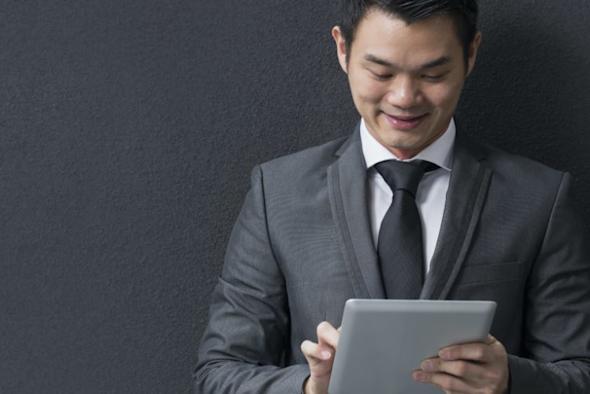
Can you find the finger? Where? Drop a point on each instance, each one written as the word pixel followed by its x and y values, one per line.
pixel 465 370
pixel 475 351
pixel 447 383
pixel 430 364
pixel 319 360
pixel 314 352
pixel 328 335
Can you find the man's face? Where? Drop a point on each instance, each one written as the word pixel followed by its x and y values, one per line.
pixel 405 79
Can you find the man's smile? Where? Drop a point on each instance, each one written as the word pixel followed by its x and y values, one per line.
pixel 404 122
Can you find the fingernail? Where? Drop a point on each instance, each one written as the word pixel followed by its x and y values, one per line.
pixel 326 355
pixel 427 366
pixel 445 354
pixel 419 376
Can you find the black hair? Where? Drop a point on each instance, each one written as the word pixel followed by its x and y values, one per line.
pixel 463 13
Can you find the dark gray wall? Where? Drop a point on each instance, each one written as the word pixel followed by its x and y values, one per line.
pixel 127 133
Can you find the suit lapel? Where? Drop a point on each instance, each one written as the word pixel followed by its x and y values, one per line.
pixel 468 186
pixel 347 186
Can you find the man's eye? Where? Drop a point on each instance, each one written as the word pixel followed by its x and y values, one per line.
pixel 433 77
pixel 381 77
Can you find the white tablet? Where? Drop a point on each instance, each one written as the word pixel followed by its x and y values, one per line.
pixel 383 341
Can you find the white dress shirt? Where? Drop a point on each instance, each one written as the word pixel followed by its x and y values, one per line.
pixel 432 190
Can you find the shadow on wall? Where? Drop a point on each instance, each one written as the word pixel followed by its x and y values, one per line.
pixel 532 81
pixel 529 94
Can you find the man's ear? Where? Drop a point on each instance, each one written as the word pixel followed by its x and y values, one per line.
pixel 472 55
pixel 340 47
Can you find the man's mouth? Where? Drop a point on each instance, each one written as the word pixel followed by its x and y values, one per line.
pixel 404 122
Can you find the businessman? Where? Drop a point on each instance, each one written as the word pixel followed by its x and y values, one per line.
pixel 407 206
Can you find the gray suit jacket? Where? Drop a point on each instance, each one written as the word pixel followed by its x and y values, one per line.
pixel 302 246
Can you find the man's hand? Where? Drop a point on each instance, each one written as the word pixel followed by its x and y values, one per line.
pixel 320 357
pixel 468 368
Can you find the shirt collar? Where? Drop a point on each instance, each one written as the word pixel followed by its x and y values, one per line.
pixel 440 152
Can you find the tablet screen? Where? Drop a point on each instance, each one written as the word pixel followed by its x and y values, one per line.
pixel 383 341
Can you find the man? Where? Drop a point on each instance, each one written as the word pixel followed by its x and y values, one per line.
pixel 313 231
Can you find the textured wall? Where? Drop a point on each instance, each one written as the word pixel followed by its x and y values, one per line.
pixel 127 133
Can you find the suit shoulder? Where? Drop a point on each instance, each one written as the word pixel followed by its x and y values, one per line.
pixel 305 162
pixel 520 169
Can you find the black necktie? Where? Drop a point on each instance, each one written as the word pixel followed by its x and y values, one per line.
pixel 400 249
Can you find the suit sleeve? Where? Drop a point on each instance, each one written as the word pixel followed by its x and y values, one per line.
pixel 556 347
pixel 245 343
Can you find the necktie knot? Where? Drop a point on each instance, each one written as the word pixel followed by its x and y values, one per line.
pixel 403 175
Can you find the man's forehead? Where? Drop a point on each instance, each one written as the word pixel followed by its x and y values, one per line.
pixel 383 35
pixel 381 24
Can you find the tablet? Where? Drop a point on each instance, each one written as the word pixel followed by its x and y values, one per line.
pixel 383 341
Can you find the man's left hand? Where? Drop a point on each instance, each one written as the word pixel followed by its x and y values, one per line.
pixel 468 368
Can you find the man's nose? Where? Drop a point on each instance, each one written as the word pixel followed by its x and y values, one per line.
pixel 403 92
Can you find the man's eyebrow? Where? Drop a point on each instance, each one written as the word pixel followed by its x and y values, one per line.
pixel 437 62
pixel 431 64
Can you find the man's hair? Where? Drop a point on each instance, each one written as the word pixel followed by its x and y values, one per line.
pixel 463 13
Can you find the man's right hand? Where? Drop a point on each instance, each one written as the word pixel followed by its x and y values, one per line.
pixel 320 357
